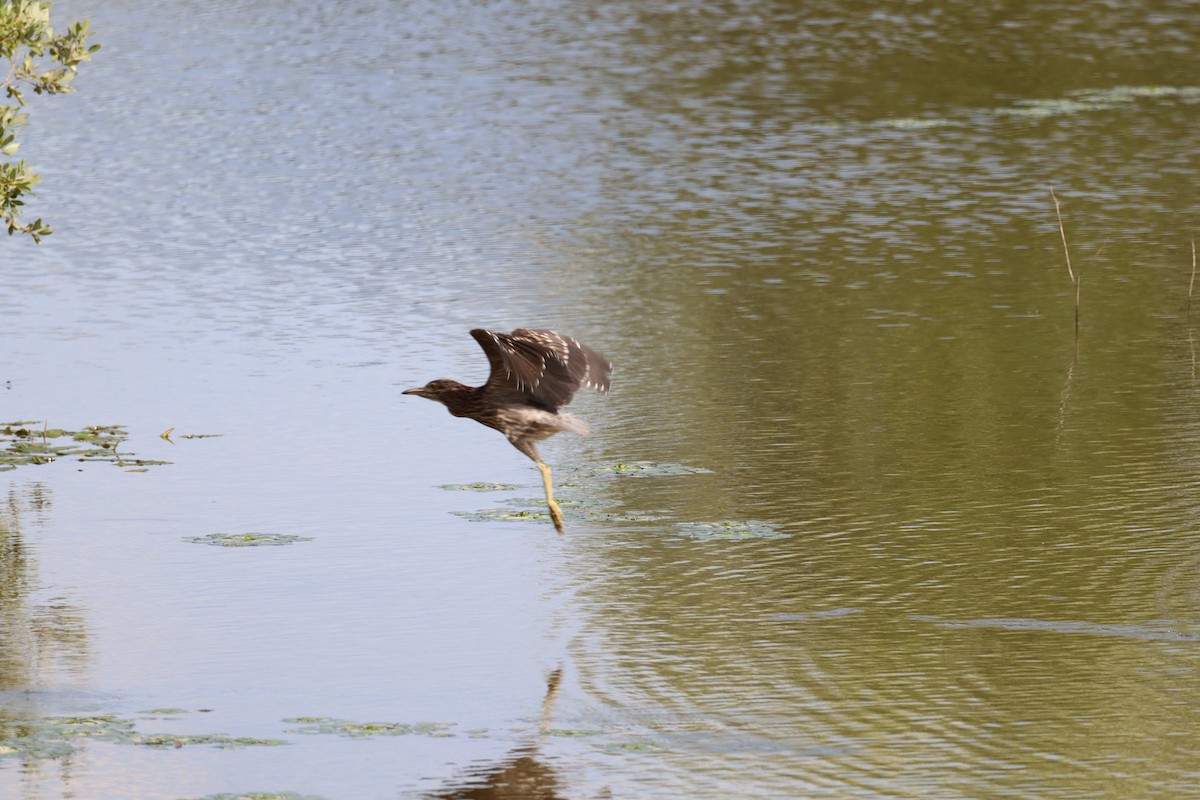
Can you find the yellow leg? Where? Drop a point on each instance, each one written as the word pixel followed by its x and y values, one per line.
pixel 555 511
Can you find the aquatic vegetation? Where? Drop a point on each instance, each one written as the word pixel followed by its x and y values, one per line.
pixel 260 796
pixel 29 442
pixel 575 511
pixel 247 539
pixel 572 732
pixel 502 515
pixel 643 469
pixel 364 730
pixel 55 737
pixel 221 741
pixel 167 435
pixel 581 509
pixel 480 487
pixel 51 737
pixel 730 529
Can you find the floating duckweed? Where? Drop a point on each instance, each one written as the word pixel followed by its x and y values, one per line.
pixel 730 529
pixel 363 730
pixel 480 487
pixel 247 539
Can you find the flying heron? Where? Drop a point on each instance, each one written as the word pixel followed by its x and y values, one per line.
pixel 535 372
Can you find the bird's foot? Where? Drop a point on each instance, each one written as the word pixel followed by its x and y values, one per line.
pixel 556 515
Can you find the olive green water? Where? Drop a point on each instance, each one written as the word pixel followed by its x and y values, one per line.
pixel 956 549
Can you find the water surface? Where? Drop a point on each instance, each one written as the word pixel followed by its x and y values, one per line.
pixel 819 245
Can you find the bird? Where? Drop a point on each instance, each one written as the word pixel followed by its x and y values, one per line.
pixel 534 373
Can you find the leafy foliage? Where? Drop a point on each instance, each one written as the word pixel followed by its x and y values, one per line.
pixel 26 36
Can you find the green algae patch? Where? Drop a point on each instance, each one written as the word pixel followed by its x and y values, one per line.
pixel 363 730
pixel 502 515
pixel 52 737
pixel 590 510
pixel 163 741
pixel 262 796
pixel 164 712
pixel 247 539
pixel 729 529
pixel 538 513
pixel 583 479
pixel 479 487
pixel 58 737
pixel 642 469
pixel 572 733
pixel 26 443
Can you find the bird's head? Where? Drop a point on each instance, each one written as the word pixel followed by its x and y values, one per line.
pixel 437 390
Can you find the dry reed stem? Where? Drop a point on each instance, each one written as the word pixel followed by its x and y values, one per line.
pixel 1067 252
pixel 1062 232
pixel 1192 283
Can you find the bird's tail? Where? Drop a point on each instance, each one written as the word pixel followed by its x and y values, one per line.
pixel 573 424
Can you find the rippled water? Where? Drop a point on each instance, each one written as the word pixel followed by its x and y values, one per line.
pixel 819 245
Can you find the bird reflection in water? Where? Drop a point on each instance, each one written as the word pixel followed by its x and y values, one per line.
pixel 523 775
pixel 534 373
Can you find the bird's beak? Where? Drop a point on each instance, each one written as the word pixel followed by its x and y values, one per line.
pixel 419 391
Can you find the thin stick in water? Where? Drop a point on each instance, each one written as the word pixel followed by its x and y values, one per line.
pixel 1067 252
pixel 1192 283
pixel 1062 232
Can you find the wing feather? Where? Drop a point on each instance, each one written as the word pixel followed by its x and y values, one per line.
pixel 545 367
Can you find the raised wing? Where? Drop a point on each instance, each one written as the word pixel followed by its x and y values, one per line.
pixel 544 366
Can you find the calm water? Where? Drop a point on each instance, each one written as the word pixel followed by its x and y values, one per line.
pixel 817 241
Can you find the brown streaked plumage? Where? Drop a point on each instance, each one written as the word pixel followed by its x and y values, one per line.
pixel 534 373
